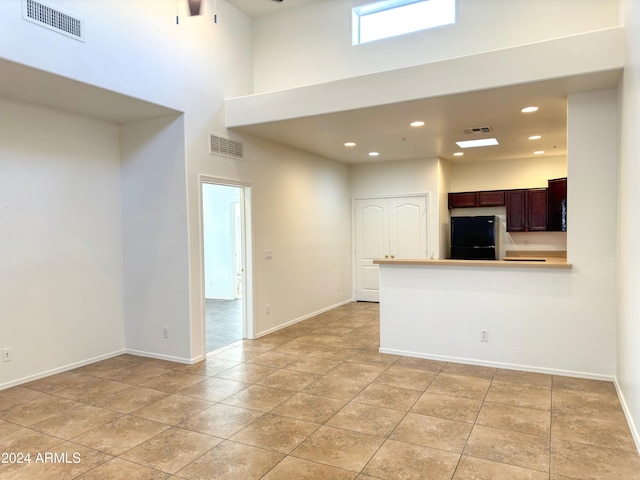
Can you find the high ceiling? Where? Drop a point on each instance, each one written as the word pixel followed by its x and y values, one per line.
pixel 261 8
pixel 385 128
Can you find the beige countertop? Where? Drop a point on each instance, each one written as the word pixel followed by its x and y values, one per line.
pixel 513 259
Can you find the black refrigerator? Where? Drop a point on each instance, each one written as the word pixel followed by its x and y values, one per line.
pixel 474 238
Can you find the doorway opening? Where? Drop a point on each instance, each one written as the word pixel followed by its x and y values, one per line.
pixel 226 296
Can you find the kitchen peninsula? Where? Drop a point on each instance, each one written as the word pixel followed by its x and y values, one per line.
pixel 502 313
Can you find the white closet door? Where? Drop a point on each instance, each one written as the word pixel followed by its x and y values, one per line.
pixel 372 241
pixel 386 228
pixel 408 227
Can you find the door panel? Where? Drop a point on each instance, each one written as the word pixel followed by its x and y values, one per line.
pixel 370 278
pixel 373 228
pixel 408 227
pixel 371 242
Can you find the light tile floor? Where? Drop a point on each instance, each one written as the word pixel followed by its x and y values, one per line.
pixel 224 322
pixel 313 401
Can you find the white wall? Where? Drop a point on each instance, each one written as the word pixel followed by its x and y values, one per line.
pixel 61 298
pixel 592 133
pixel 301 211
pixel 407 177
pixel 301 202
pixel 505 175
pixel 561 321
pixel 312 44
pixel 628 230
pixel 130 47
pixel 190 67
pixel 155 238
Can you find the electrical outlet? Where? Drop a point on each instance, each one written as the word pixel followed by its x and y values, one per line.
pixel 484 335
pixel 166 332
pixel 7 355
pixel 267 309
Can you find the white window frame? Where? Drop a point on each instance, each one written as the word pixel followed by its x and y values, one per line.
pixel 360 13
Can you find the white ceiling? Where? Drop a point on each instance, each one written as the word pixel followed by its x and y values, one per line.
pixel 386 129
pixel 261 8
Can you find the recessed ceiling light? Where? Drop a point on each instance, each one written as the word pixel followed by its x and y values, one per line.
pixel 350 144
pixel 419 123
pixel 535 137
pixel 373 154
pixel 483 142
pixel 538 152
pixel 458 154
pixel 529 109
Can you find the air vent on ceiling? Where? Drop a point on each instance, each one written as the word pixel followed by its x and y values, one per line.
pixel 53 19
pixel 476 130
pixel 219 145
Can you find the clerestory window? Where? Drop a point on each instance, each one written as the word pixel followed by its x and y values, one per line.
pixel 389 18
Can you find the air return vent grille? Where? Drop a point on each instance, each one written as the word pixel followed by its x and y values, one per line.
pixel 476 130
pixel 52 18
pixel 219 145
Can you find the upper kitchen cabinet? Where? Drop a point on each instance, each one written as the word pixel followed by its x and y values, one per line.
pixel 527 210
pixel 516 210
pixel 463 200
pixel 537 210
pixel 557 205
pixel 493 198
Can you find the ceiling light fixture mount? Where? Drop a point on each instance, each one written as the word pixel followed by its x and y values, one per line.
pixel 530 109
pixel 535 137
pixel 194 7
pixel 417 123
pixel 350 144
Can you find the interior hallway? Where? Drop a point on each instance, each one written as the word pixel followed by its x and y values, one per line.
pixel 316 401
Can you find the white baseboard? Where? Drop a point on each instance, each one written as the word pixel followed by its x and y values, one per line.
pixel 160 356
pixel 64 368
pixel 300 319
pixel 509 366
pixel 627 413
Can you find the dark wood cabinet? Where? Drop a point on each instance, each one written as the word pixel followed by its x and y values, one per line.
pixel 516 210
pixel 527 210
pixel 491 198
pixel 557 205
pixel 463 200
pixel 537 210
